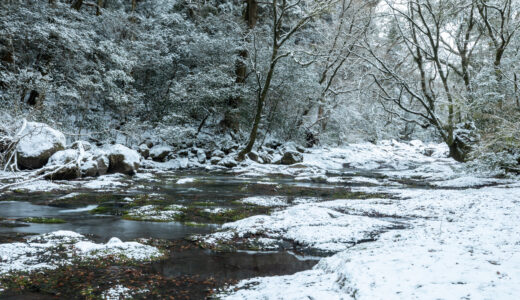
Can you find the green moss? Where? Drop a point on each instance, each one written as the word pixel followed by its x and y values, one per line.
pixel 198 215
pixel 199 203
pixel 41 220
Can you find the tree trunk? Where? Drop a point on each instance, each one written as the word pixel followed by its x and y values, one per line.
pixel 98 8
pixel 251 13
pixel 516 92
pixel 260 106
pixel 77 4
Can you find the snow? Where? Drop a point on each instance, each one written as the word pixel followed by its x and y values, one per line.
pixel 105 182
pixel 117 292
pixel 37 138
pixel 48 251
pixel 131 157
pixel 310 225
pixel 131 250
pixel 457 235
pixel 80 209
pixel 156 213
pixel 185 180
pixel 266 200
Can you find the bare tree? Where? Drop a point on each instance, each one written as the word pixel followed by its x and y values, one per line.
pixel 283 28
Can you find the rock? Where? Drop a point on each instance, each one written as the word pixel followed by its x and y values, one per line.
pixel 465 137
pixel 38 142
pixel 428 151
pixel 122 160
pixel 273 144
pixel 266 158
pixel 94 165
pixel 300 149
pixel 291 157
pixel 160 152
pixel 228 162
pixel 5 142
pixel 218 153
pixel 183 153
pixel 144 150
pixel 253 156
pixel 201 156
pixel 66 162
pixel 86 145
pixel 215 160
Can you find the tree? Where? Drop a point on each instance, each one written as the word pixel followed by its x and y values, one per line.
pixel 287 18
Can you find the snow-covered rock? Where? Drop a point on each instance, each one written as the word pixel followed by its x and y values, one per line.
pixel 50 250
pixel 84 144
pixel 122 159
pixel 66 163
pixel 228 162
pixel 160 152
pixel 37 143
pixel 291 157
pixel 94 165
pixel 201 156
pixel 144 150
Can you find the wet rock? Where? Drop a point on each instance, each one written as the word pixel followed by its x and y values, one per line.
pixel 122 160
pixel 38 142
pixel 291 157
pixel 160 153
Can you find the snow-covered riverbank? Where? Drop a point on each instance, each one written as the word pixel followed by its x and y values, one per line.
pixel 425 227
pixel 458 241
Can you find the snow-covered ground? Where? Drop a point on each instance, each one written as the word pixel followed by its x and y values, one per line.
pixel 443 232
pixel 50 250
pixel 460 237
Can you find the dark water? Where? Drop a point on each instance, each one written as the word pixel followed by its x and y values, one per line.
pixel 221 190
pixel 236 265
pixel 102 227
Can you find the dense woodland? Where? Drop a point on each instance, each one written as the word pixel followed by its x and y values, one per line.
pixel 317 72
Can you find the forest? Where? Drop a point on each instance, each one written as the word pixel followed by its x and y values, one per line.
pixel 248 149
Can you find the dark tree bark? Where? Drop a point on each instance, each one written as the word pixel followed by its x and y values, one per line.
pixel 76 4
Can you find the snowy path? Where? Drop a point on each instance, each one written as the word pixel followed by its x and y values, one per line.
pixel 461 242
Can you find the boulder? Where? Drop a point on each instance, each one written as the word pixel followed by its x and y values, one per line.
pixel 291 157
pixel 228 162
pixel 65 162
pixel 122 159
pixel 37 143
pixel 144 150
pixel 86 145
pixel 253 156
pixel 266 157
pixel 160 152
pixel 465 137
pixel 94 165
pixel 218 153
pixel 201 156
pixel 215 160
